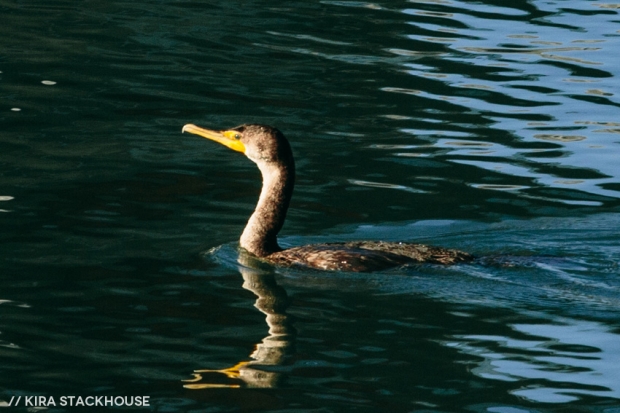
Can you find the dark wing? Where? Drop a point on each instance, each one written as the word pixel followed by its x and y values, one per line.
pixel 365 256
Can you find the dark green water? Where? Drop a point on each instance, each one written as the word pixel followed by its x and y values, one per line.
pixel 492 127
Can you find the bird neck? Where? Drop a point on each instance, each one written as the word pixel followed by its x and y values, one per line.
pixel 260 234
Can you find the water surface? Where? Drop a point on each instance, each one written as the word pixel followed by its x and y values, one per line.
pixel 483 126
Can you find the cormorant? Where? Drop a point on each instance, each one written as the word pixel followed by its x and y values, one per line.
pixel 271 152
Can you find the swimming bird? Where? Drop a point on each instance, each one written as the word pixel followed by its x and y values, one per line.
pixel 271 152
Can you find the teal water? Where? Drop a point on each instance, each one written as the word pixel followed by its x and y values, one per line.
pixel 483 126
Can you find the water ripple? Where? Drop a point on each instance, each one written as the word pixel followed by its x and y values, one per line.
pixel 489 127
pixel 551 358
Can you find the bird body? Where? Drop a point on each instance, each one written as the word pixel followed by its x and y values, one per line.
pixel 271 151
pixel 365 256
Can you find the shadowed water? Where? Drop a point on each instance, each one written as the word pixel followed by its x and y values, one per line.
pixel 484 126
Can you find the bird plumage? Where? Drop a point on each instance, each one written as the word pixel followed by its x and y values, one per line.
pixel 270 150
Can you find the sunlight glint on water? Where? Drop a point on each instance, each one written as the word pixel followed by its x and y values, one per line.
pixel 492 128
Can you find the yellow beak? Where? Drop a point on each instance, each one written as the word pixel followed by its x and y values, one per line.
pixel 229 138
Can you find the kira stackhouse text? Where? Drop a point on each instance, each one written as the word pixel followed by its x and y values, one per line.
pixel 80 401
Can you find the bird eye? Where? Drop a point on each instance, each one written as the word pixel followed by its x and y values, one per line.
pixel 237 136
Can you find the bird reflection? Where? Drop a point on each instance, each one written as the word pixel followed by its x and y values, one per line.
pixel 271 351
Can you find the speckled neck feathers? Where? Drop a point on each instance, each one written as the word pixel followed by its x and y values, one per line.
pixel 271 152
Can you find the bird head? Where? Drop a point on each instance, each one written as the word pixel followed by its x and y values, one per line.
pixel 260 143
